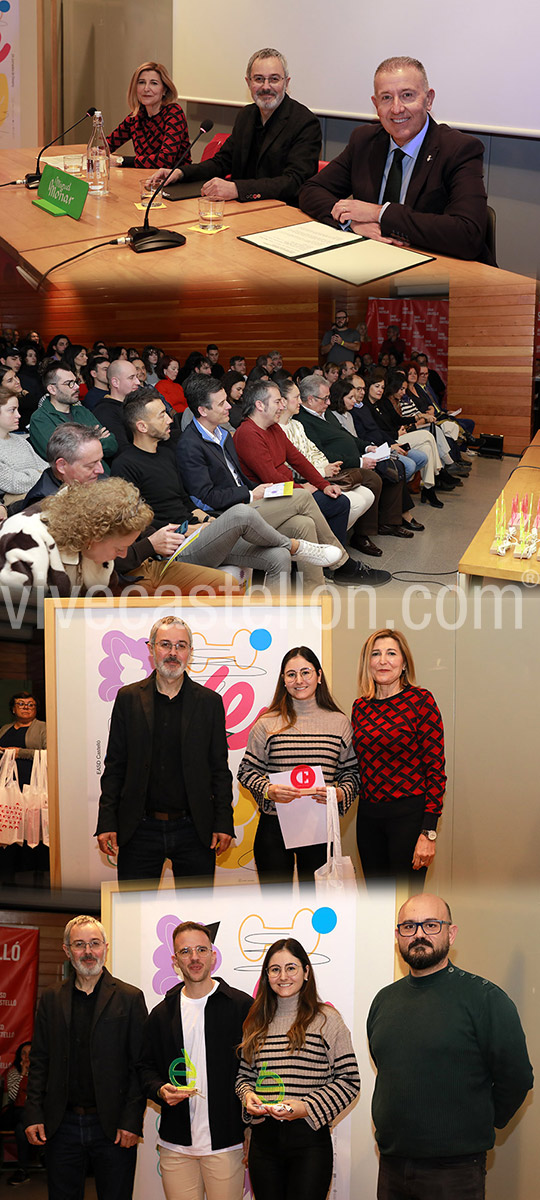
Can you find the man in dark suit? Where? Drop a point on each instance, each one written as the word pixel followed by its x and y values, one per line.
pixel 166 791
pixel 84 1102
pixel 407 180
pixel 274 145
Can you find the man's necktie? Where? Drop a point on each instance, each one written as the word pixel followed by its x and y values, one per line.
pixel 392 190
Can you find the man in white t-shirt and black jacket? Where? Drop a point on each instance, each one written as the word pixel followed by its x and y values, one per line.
pixel 192 1036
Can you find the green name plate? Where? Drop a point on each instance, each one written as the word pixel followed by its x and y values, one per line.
pixel 61 194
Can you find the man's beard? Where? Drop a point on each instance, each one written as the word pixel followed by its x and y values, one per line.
pixel 268 103
pixel 171 670
pixel 89 970
pixel 421 956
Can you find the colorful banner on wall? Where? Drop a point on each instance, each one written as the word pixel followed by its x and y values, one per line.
pixel 19 954
pixel 10 75
pixel 236 653
pixel 423 325
pixel 348 937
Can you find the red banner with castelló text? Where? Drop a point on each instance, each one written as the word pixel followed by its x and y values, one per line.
pixel 19 950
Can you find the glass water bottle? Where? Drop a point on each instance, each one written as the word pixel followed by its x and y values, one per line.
pixel 98 159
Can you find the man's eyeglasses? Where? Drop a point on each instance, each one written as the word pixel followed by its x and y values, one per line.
pixel 188 951
pixel 429 927
pixel 273 80
pixel 94 945
pixel 168 646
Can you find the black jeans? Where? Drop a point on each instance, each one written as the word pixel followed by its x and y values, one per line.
pixel 154 841
pixel 386 847
pixel 290 1161
pixel 460 1178
pixel 274 862
pixel 78 1142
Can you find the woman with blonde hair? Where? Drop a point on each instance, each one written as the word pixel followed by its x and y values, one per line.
pixel 155 123
pixel 398 737
pixel 73 541
pixel 297 1074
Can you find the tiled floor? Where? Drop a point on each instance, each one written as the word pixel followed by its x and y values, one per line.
pixel 434 555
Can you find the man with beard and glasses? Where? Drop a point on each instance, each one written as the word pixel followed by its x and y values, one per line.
pixel 274 145
pixel 197 1027
pixel 166 790
pixel 452 1065
pixel 84 1102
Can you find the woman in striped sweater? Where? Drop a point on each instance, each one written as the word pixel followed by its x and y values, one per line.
pixel 302 726
pixel 298 1073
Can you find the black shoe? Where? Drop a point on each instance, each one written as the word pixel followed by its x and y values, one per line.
pixel 459 469
pixel 357 573
pixel 17 1178
pixel 443 485
pixel 364 544
pixel 428 496
pixel 414 525
pixel 396 531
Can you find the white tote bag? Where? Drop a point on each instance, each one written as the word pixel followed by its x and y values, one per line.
pixel 11 801
pixel 338 869
pixel 35 800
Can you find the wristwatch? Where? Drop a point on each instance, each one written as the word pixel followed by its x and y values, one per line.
pixel 431 834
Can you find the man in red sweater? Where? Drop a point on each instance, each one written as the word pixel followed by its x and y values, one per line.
pixel 265 453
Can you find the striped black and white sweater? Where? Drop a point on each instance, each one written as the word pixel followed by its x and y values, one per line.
pixel 319 738
pixel 323 1073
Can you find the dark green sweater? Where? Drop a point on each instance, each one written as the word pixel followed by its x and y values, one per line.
pixel 330 437
pixel 452 1063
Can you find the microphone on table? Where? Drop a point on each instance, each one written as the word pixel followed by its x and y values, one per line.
pixel 147 237
pixel 32 179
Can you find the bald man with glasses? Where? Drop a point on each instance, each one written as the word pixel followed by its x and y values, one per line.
pixel 452 1065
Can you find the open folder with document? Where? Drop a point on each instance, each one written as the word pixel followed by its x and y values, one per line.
pixel 337 252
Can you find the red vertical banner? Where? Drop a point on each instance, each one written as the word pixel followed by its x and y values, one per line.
pixel 19 956
pixel 423 325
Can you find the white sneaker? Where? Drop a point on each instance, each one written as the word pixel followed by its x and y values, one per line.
pixel 321 555
pixel 468 453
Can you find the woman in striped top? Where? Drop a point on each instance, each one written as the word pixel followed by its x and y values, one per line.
pixel 303 726
pixel 298 1073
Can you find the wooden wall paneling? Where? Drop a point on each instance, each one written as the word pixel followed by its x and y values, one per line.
pixel 490 359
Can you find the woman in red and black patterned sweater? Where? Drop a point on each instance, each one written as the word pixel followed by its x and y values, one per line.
pixel 398 737
pixel 156 123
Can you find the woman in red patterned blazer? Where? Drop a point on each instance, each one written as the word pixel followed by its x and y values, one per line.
pixel 155 124
pixel 398 737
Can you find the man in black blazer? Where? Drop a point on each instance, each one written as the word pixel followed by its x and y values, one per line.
pixel 84 1101
pixel 166 790
pixel 274 145
pixel 407 180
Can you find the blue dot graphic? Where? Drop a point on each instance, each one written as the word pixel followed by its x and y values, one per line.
pixel 324 920
pixel 260 639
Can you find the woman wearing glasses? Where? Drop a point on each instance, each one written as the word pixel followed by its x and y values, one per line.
pixel 399 742
pixel 298 1072
pixel 25 733
pixel 302 726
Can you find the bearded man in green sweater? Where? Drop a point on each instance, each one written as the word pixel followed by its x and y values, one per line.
pixel 452 1065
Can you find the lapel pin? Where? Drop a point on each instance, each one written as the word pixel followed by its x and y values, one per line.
pixel 428 159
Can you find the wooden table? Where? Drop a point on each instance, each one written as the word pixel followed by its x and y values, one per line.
pixel 477 563
pixel 217 288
